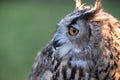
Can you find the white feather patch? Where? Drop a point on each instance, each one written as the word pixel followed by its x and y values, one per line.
pixel 79 63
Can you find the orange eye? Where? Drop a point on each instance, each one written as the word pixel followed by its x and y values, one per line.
pixel 73 31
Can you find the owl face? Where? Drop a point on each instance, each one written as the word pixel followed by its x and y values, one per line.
pixel 72 35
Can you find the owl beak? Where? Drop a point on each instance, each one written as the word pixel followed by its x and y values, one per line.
pixel 56 43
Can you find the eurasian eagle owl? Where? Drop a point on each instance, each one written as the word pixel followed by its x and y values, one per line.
pixel 85 46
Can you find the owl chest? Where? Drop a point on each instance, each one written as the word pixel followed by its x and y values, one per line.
pixel 72 70
pixel 67 69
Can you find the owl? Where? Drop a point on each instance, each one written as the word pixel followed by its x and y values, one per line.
pixel 85 46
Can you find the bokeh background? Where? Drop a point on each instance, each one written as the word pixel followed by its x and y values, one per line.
pixel 25 28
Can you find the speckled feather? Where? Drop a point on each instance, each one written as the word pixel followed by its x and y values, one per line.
pixel 95 55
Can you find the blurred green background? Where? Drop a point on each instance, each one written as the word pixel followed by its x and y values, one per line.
pixel 27 25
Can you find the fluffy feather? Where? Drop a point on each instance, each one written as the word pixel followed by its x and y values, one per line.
pixel 92 54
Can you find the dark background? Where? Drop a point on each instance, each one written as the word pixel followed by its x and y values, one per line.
pixel 25 28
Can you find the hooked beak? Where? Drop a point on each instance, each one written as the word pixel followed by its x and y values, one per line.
pixel 56 43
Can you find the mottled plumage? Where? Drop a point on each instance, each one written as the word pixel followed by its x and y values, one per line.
pixel 85 46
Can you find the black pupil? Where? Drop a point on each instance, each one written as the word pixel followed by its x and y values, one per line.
pixel 74 30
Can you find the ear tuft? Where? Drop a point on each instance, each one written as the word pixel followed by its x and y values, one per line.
pixel 79 6
pixel 87 12
pixel 78 3
pixel 98 5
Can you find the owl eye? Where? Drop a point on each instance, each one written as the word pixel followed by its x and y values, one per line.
pixel 73 31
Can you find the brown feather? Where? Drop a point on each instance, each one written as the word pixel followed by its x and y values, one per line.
pixel 99 57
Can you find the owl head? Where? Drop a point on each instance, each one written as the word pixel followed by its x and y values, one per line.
pixel 83 28
pixel 74 31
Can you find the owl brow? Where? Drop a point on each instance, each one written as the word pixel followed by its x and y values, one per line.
pixel 73 22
